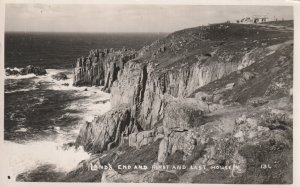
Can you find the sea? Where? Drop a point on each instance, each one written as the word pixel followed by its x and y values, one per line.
pixel 42 115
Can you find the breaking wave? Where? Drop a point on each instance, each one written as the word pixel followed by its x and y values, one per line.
pixel 30 154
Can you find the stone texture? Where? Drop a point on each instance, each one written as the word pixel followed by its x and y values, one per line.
pixel 182 115
pixel 33 69
pixel 137 81
pixel 106 131
pixel 27 70
pixel 101 67
pixel 139 139
pixel 257 101
pixel 59 76
pixel 110 175
pixel 155 84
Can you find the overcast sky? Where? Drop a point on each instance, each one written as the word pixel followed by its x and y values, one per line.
pixel 127 18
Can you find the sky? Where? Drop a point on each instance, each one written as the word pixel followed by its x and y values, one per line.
pixel 127 18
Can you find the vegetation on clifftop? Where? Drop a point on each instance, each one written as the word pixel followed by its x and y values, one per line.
pixel 217 95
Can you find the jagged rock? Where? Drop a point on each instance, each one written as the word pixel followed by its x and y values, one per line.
pixel 101 67
pixel 187 141
pixel 181 115
pixel 153 84
pixel 139 84
pixel 59 76
pixel 33 69
pixel 136 81
pixel 105 132
pixel 138 87
pixel 27 70
pixel 9 72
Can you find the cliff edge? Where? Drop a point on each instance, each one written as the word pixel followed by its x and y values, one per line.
pixel 215 96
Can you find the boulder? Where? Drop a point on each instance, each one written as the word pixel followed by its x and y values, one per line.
pixel 248 75
pixel 59 76
pixel 183 115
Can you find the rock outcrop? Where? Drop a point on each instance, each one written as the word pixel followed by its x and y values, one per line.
pixel 183 115
pixel 101 67
pixel 27 70
pixel 105 132
pixel 60 76
pixel 209 95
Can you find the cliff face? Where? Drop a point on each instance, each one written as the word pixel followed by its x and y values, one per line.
pixel 189 90
pixel 176 66
pixel 105 132
pixel 101 67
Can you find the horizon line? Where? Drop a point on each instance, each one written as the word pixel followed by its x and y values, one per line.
pixel 87 32
pixel 121 32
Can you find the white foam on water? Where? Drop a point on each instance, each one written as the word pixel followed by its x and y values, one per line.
pixel 31 75
pixel 21 130
pixel 22 90
pixel 95 103
pixel 24 157
pixel 30 155
pixel 15 68
pixel 18 76
pixel 53 84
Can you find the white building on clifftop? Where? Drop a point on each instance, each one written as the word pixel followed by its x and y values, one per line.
pixel 254 19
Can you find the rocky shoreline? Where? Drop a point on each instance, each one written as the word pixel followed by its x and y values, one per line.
pixel 214 95
pixel 36 70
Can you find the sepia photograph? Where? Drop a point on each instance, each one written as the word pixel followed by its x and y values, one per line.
pixel 148 93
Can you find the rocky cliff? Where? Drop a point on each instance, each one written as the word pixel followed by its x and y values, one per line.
pixel 101 67
pixel 197 92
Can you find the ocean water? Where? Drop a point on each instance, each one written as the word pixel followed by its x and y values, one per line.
pixel 60 50
pixel 42 114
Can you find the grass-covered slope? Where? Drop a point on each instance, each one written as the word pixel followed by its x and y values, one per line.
pixel 216 96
